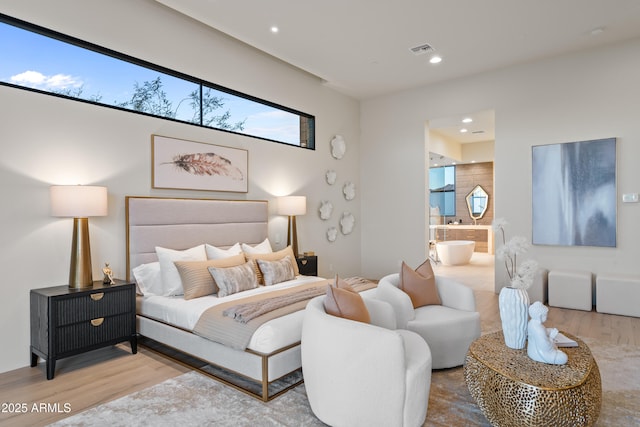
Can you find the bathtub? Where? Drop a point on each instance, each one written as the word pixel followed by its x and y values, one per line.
pixel 455 252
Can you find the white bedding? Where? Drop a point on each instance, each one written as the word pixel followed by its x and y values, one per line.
pixel 271 336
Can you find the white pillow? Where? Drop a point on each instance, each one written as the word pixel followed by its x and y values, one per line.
pixel 171 282
pixel 260 248
pixel 213 252
pixel 148 278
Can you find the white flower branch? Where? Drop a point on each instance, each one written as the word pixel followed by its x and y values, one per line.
pixel 509 251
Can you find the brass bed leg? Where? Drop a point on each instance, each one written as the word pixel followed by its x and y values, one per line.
pixel 265 378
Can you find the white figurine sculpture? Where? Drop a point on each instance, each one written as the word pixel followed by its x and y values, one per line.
pixel 541 347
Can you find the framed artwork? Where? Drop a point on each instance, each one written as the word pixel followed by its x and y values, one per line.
pixel 190 165
pixel 574 193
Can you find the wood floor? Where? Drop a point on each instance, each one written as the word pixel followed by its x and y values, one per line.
pixel 100 376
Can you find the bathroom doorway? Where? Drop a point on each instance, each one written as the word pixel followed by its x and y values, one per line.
pixel 460 190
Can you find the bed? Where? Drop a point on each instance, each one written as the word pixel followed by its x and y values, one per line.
pixel 273 352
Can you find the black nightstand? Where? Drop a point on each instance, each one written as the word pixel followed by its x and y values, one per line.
pixel 66 321
pixel 308 265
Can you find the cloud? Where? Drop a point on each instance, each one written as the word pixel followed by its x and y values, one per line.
pixel 37 80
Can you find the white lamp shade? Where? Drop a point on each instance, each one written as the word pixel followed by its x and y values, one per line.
pixel 78 201
pixel 292 205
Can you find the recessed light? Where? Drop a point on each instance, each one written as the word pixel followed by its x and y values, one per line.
pixel 463 130
pixel 596 31
pixel 467 120
pixel 274 29
pixel 435 59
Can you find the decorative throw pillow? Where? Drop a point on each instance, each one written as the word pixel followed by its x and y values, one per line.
pixel 214 252
pixel 261 248
pixel 276 271
pixel 148 278
pixel 346 304
pixel 195 276
pixel 231 280
pixel 425 269
pixel 273 256
pixel 171 282
pixel 339 283
pixel 422 290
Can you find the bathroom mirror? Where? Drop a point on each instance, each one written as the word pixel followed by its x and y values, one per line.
pixel 477 202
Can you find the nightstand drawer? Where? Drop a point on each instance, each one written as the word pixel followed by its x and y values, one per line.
pixel 92 332
pixel 93 305
pixel 67 321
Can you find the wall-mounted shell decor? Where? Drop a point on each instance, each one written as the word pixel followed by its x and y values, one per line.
pixel 331 176
pixel 325 210
pixel 349 190
pixel 347 222
pixel 338 147
pixel 332 234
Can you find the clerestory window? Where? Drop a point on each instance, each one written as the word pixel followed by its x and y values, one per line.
pixel 45 61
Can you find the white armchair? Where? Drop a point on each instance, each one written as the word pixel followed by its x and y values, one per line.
pixel 359 374
pixel 449 328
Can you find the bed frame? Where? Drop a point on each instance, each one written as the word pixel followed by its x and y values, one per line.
pixel 181 224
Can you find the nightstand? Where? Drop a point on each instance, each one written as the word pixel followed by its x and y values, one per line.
pixel 67 321
pixel 308 265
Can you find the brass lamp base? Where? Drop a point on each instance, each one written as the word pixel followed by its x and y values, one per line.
pixel 292 235
pixel 80 275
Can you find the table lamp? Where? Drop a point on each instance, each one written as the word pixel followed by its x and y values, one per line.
pixel 79 202
pixel 292 206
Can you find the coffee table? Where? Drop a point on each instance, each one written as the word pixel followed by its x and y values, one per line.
pixel 513 390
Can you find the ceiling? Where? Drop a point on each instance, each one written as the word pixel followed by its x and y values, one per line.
pixel 363 48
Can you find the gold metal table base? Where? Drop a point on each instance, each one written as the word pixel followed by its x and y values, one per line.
pixel 513 390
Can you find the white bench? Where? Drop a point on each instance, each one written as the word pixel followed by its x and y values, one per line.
pixel 617 294
pixel 571 289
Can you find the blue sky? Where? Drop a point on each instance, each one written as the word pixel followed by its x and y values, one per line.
pixel 33 60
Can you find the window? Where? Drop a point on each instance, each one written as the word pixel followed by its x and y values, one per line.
pixel 442 189
pixel 42 60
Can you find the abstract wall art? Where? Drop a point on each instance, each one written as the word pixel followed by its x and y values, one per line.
pixel 189 165
pixel 574 193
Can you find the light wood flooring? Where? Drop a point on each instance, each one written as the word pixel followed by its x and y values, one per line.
pixel 103 375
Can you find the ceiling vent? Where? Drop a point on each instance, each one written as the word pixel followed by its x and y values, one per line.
pixel 477 131
pixel 422 49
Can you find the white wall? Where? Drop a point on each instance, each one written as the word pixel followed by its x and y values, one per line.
pixel 443 145
pixel 589 95
pixel 478 152
pixel 46 140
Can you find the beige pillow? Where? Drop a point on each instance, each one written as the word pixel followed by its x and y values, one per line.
pixel 236 279
pixel 346 304
pixel 195 276
pixel 276 271
pixel 273 256
pixel 421 289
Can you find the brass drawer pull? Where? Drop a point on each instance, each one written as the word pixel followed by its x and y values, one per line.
pixel 97 322
pixel 304 261
pixel 98 296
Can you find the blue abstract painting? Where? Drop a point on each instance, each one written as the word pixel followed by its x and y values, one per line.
pixel 574 193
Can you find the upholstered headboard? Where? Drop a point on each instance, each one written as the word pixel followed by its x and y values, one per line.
pixel 185 223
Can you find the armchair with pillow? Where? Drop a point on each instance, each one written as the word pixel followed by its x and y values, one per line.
pixel 439 309
pixel 358 373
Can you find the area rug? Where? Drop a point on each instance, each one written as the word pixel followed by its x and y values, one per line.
pixel 193 399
